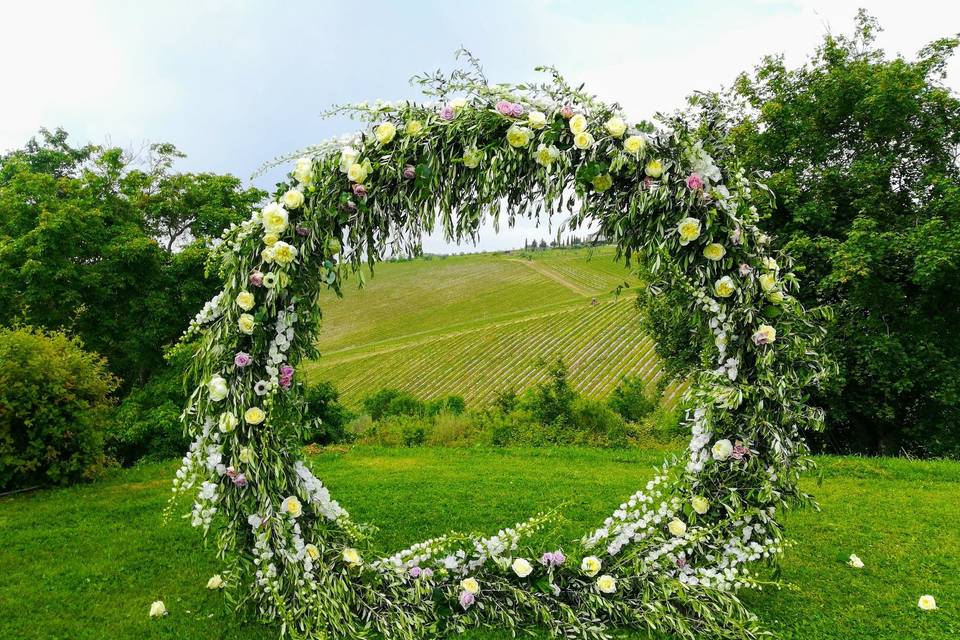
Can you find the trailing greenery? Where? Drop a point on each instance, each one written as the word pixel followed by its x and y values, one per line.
pixel 54 409
pixel 861 150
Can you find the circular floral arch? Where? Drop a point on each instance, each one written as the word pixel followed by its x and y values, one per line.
pixel 672 557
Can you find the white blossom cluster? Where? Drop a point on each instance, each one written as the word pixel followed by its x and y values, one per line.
pixel 318 494
pixel 633 519
pixel 280 345
pixel 212 309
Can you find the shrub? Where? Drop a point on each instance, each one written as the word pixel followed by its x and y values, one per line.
pixel 326 418
pixel 54 409
pixel 148 425
pixel 630 400
pixel 392 402
pixel 597 425
pixel 454 405
pixel 453 430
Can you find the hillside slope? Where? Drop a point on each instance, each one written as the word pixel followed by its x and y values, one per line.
pixel 478 324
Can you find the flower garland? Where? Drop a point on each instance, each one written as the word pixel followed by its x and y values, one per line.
pixel 671 557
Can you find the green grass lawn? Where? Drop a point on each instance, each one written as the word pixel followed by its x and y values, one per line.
pixel 86 562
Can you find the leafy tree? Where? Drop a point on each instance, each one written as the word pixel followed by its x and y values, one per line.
pixel 87 245
pixel 861 152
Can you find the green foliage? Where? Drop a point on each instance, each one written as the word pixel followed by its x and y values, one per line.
pixel 630 399
pixel 112 253
pixel 861 151
pixel 454 405
pixel 54 409
pixel 327 417
pixel 392 402
pixel 147 422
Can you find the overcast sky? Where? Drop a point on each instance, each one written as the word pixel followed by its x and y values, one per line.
pixel 233 84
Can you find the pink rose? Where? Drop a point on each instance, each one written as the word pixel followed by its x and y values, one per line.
pixel 414 572
pixel 409 172
pixel 359 190
pixel 240 480
pixel 242 359
pixel 256 279
pixel 567 111
pixel 694 183
pixel 303 232
pixel 745 270
pixel 504 108
pixel 516 110
pixel 447 113
pixel 737 236
pixel 466 600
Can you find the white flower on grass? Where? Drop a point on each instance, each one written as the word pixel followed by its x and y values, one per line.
pixel 722 449
pixel 606 584
pixel 855 561
pixel 590 566
pixel 521 567
pixel 157 609
pixel 218 388
pixel 470 585
pixel 291 506
pixel 927 603
pixel 274 218
pixel 677 527
pixel 215 582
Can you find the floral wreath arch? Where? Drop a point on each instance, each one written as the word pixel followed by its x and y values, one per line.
pixel 672 557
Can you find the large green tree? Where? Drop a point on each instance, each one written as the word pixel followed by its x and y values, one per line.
pixel 109 249
pixel 861 151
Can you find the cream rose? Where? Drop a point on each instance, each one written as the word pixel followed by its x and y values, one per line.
pixel 634 145
pixel 522 567
pixel 245 300
pixel 615 126
pixel 677 527
pixel 385 132
pixel 776 297
pixel 254 415
pixel 855 561
pixel 157 609
pixel 927 603
pixel 414 128
pixel 292 199
pixel 215 582
pixel 352 557
pixel 607 584
pixel 246 323
pixel 303 171
pixel 724 287
pixel 537 119
pixel 547 155
pixel 227 422
pixel 470 585
pixel 472 157
pixel 765 334
pixel 768 282
pixel 246 455
pixel 583 140
pixel 312 551
pixel 291 506
pixel 654 168
pixel 270 239
pixel 358 172
pixel 284 253
pixel 770 264
pixel 578 124
pixel 722 449
pixel 700 504
pixel 590 566
pixel 689 230
pixel 217 388
pixel 714 251
pixel 274 218
pixel 519 136
pixel 348 156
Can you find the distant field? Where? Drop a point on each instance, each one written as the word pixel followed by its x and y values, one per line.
pixel 478 324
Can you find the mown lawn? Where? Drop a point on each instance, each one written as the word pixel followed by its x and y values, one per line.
pixel 86 562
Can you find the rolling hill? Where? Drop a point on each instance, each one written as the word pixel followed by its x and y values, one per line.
pixel 474 325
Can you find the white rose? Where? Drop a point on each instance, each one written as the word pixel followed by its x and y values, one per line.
pixel 722 449
pixel 293 199
pixel 590 566
pixel 616 127
pixel 352 557
pixel 537 119
pixel 470 585
pixel 303 172
pixel 228 422
pixel 218 388
pixel 677 527
pixel 215 582
pixel 700 504
pixel 855 561
pixel 348 155
pixel 157 609
pixel 245 300
pixel 274 218
pixel 927 603
pixel 246 323
pixel 606 584
pixel 291 506
pixel 521 567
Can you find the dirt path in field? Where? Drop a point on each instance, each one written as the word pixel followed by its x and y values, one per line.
pixel 547 272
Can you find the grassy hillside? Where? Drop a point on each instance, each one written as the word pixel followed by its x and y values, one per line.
pixel 85 563
pixel 478 324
